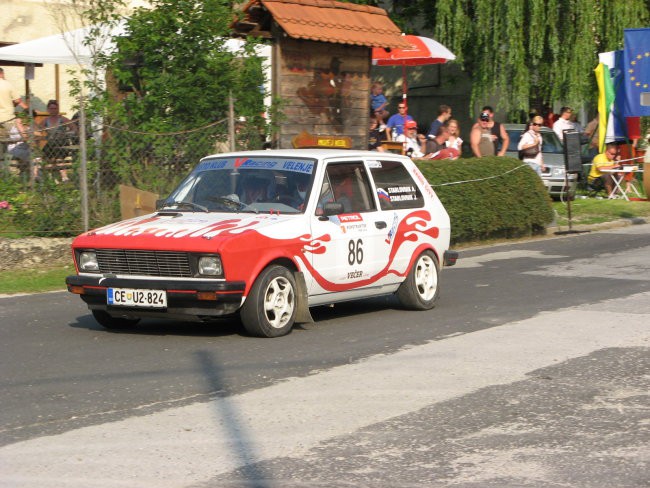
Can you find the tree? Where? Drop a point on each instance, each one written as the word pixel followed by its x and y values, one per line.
pixel 525 50
pixel 174 60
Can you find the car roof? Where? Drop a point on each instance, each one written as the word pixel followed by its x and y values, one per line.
pixel 308 153
pixel 523 126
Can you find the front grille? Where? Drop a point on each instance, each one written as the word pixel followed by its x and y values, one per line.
pixel 147 263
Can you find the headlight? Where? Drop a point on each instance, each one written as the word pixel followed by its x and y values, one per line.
pixel 210 266
pixel 88 262
pixel 558 171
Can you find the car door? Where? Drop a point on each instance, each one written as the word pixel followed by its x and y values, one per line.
pixel 352 256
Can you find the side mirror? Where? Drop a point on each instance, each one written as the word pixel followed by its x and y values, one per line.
pixel 332 208
pixel 159 203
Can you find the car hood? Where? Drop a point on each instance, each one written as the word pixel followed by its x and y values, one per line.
pixel 184 231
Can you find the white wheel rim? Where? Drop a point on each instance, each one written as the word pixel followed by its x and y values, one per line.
pixel 426 278
pixel 279 302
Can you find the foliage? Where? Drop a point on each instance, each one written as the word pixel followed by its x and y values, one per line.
pixel 524 51
pixel 489 197
pixel 50 208
pixel 180 74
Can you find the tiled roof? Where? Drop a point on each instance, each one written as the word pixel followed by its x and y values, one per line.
pixel 329 21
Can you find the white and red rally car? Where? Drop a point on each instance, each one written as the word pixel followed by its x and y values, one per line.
pixel 269 234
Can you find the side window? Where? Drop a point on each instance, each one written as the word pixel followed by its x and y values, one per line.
pixel 347 183
pixel 395 186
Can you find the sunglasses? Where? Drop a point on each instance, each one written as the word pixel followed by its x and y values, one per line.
pixel 401 107
pixel 536 124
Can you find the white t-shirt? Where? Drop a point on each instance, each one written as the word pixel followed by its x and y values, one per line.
pixel 560 125
pixel 7 97
pixel 411 143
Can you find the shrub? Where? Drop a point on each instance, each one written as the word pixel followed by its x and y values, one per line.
pixel 489 197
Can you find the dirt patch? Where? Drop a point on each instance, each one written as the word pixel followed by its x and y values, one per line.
pixel 31 252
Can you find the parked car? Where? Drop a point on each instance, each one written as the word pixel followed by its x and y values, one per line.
pixel 554 176
pixel 269 234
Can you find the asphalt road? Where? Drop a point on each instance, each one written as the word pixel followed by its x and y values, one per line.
pixel 533 370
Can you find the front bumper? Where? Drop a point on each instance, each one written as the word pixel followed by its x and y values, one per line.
pixel 185 298
pixel 558 187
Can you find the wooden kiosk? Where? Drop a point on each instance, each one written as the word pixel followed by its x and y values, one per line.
pixel 321 61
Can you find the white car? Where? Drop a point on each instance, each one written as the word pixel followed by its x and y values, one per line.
pixel 268 234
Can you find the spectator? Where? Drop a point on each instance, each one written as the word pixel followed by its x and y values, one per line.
pixel 396 121
pixel 454 141
pixel 480 137
pixel 378 101
pixel 439 142
pixel 8 102
pixel 413 142
pixel 59 131
pixel 607 160
pixel 549 116
pixel 444 114
pixel 498 134
pixel 591 134
pixel 530 145
pixel 563 123
pixel 377 134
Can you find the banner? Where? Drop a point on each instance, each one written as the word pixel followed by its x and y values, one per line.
pixel 636 68
pixel 616 122
pixel 605 102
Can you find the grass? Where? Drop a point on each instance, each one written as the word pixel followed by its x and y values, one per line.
pixel 593 211
pixel 30 281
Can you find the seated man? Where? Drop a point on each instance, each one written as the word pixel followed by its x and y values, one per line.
pixel 607 160
pixel 253 190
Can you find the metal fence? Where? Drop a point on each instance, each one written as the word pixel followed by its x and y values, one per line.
pixel 42 188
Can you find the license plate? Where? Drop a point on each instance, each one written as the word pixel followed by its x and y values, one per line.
pixel 129 297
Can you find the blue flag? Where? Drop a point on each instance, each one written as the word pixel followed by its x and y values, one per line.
pixel 636 68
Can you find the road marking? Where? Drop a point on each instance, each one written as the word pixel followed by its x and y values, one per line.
pixel 478 261
pixel 191 444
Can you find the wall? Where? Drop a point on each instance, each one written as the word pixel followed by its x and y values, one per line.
pixel 325 90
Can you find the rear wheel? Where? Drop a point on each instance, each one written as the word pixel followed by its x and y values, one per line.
pixel 419 291
pixel 270 308
pixel 109 322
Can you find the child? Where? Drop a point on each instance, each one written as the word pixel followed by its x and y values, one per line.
pixel 378 101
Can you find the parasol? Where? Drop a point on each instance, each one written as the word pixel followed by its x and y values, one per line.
pixel 424 51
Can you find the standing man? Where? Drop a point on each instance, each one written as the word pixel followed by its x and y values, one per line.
pixel 498 134
pixel 397 122
pixel 8 101
pixel 480 138
pixel 563 123
pixel 444 114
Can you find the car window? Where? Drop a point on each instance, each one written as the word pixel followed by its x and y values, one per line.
pixel 347 183
pixel 515 135
pixel 551 143
pixel 395 186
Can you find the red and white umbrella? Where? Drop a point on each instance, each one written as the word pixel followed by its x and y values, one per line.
pixel 423 51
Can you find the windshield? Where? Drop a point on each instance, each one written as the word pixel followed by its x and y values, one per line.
pixel 550 142
pixel 246 184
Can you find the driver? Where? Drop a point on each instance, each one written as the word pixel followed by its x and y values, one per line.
pixel 253 190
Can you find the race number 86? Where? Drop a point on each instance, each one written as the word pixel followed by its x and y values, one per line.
pixel 355 252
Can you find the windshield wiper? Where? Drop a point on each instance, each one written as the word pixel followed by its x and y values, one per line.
pixel 181 203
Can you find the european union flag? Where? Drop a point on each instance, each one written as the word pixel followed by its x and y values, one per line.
pixel 636 67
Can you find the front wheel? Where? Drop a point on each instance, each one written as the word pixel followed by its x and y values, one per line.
pixel 109 322
pixel 419 291
pixel 270 308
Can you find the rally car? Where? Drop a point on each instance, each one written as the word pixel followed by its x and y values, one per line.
pixel 268 234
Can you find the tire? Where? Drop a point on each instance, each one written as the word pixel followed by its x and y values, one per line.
pixel 109 322
pixel 420 290
pixel 270 308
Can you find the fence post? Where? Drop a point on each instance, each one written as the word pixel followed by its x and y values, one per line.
pixel 231 122
pixel 83 168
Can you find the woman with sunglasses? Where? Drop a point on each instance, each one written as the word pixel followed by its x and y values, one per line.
pixel 530 145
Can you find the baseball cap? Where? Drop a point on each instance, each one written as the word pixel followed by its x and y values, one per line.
pixel 411 124
pixel 485 116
